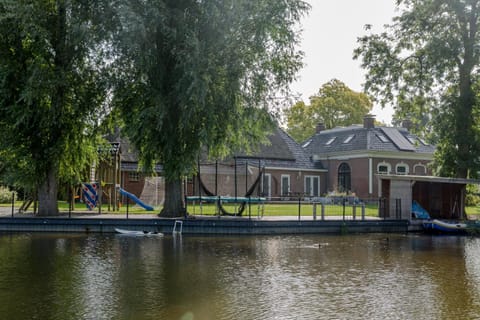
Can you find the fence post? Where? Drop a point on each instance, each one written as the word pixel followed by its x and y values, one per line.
pixel 398 208
pixel 363 211
pixel 354 211
pixel 314 211
pixel 323 211
pixel 299 206
pixel 249 208
pixel 13 203
pixel 344 200
pixel 127 205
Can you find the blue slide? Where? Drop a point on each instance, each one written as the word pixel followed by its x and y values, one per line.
pixel 135 199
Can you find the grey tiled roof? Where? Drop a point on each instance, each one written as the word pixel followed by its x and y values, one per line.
pixel 379 139
pixel 283 152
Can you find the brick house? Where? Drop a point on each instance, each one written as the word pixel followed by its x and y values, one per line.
pixel 289 170
pixel 284 168
pixel 286 171
pixel 355 155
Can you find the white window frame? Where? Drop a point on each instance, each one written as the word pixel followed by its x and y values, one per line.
pixel 384 164
pixel 420 165
pixel 312 183
pixel 402 165
pixel 349 138
pixel 288 185
pixel 330 141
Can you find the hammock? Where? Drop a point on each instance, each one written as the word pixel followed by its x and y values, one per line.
pixel 242 204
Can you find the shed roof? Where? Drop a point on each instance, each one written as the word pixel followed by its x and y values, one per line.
pixel 432 179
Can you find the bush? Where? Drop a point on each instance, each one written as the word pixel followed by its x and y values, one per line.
pixel 472 197
pixel 472 200
pixel 6 195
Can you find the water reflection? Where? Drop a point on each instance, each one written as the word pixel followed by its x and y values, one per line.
pixel 270 277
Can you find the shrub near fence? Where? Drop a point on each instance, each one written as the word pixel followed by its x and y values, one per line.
pixel 6 195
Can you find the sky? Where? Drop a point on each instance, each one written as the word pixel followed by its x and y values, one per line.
pixel 330 32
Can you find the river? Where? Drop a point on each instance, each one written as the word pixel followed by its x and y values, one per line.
pixel 77 276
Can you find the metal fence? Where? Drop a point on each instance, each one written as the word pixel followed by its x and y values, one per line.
pixel 306 208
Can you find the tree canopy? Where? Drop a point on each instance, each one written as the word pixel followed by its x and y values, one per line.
pixel 199 75
pixel 334 105
pixel 50 91
pixel 426 64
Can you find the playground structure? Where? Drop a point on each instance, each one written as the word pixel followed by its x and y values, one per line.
pixel 135 199
pixel 108 173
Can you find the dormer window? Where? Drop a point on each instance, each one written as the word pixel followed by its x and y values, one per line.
pixel 412 140
pixel 382 138
pixel 307 143
pixel 330 141
pixel 349 138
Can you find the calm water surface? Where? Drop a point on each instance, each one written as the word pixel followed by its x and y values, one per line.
pixel 56 276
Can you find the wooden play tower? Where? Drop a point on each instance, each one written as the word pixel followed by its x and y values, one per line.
pixel 108 174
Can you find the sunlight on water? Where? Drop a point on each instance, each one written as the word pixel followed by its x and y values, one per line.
pixel 46 276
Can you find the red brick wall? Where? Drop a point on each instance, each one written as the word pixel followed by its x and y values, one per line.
pixel 131 185
pixel 360 173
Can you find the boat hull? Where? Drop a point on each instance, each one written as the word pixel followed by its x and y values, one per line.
pixel 138 233
pixel 438 226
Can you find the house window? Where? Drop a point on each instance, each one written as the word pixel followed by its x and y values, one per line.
pixel 401 169
pixel 267 185
pixel 382 138
pixel 133 176
pixel 344 178
pixel 349 138
pixel 330 141
pixel 412 140
pixel 285 184
pixel 307 143
pixel 312 186
pixel 383 168
pixel 420 169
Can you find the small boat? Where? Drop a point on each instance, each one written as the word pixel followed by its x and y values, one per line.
pixel 138 233
pixel 438 226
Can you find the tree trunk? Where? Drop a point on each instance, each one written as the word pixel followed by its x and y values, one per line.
pixel 174 204
pixel 47 195
pixel 465 137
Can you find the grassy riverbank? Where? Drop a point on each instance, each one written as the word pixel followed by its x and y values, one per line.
pixel 269 209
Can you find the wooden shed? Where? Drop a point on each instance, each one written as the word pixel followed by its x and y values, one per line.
pixel 442 198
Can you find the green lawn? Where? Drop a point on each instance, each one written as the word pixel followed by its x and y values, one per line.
pixel 81 207
pixel 287 209
pixel 473 210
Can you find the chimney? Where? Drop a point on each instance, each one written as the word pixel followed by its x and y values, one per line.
pixel 369 121
pixel 407 124
pixel 320 127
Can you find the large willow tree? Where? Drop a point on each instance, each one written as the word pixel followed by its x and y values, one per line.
pixel 427 64
pixel 198 75
pixel 50 89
